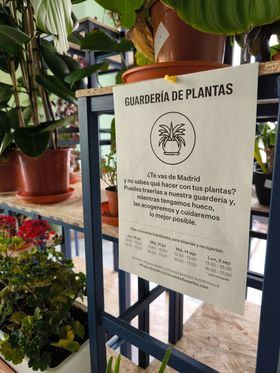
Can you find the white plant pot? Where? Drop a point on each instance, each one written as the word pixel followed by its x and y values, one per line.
pixel 76 362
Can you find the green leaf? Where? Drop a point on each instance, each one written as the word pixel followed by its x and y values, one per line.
pixel 141 59
pixel 17 317
pixel 78 329
pixel 54 85
pixel 30 142
pixel 6 142
pixel 75 38
pixel 117 364
pixel 5 124
pixel 98 40
pixel 6 92
pixel 12 40
pixel 226 17
pixel 15 355
pixel 50 126
pixel 53 60
pixel 125 8
pixel 123 46
pixel 109 365
pixel 165 360
pixel 258 157
pixel 77 75
pixel 13 116
pixel 54 17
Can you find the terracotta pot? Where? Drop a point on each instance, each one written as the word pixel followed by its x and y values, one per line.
pixel 183 41
pixel 47 175
pixel 276 57
pixel 112 196
pixel 159 70
pixel 10 175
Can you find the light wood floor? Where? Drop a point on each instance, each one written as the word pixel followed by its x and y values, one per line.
pixel 223 340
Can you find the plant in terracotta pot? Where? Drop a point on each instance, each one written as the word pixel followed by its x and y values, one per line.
pixel 40 326
pixel 159 40
pixel 264 156
pixel 38 68
pixel 108 170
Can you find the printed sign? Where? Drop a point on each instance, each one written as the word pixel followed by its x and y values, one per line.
pixel 185 162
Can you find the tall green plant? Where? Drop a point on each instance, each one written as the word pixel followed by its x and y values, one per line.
pixel 37 68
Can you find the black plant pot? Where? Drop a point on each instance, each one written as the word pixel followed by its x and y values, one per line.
pixel 263 187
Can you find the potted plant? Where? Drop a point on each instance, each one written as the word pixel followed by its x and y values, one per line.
pixel 41 327
pixel 206 16
pixel 38 67
pixel 108 171
pixel 264 155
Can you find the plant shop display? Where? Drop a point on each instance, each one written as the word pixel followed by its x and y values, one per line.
pixel 40 325
pixel 264 155
pixel 37 67
pixel 108 169
pixel 207 16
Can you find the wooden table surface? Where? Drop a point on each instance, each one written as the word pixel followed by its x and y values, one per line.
pixel 69 211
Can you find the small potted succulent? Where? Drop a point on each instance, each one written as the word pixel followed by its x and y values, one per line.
pixel 264 155
pixel 40 325
pixel 108 169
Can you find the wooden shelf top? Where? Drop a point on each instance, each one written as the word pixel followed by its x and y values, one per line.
pixel 266 68
pixel 69 211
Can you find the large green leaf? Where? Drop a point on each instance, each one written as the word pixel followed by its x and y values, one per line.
pixel 6 92
pixel 53 60
pixel 226 17
pixel 77 75
pixel 12 40
pixel 54 85
pixel 13 116
pixel 125 8
pixel 54 17
pixel 30 142
pixel 98 40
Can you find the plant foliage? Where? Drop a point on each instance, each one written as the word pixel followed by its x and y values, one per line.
pixel 265 143
pixel 37 293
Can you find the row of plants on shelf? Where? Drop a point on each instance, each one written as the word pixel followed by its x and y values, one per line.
pixel 33 47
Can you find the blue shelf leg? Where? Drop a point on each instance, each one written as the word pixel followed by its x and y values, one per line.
pixel 175 323
pixel 143 320
pixel 116 256
pixel 93 233
pixel 66 244
pixel 124 303
pixel 77 251
pixel 269 333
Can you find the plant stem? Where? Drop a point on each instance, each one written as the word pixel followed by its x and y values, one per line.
pixel 15 87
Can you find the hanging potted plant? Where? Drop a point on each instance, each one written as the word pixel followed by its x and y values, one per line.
pixel 24 53
pixel 41 328
pixel 207 16
pixel 264 155
pixel 108 171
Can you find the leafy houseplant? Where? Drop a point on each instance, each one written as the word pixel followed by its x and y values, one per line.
pixel 208 16
pixel 37 67
pixel 38 320
pixel 264 148
pixel 108 170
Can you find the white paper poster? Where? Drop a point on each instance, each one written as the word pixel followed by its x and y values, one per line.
pixel 185 158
